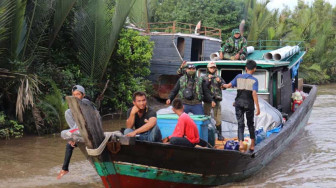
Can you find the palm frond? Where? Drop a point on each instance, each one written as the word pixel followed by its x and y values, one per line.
pixel 261 19
pixel 123 8
pixel 96 33
pixel 18 28
pixel 38 22
pixel 6 13
pixel 142 12
pixel 25 96
pixel 62 9
pixel 55 99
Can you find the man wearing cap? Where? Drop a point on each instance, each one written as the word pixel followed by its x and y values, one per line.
pixel 214 83
pixel 189 88
pixel 234 47
pixel 78 91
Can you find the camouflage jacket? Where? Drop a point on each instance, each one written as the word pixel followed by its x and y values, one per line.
pixel 234 46
pixel 214 87
pixel 195 84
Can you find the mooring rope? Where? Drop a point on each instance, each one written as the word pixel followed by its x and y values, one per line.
pixel 100 149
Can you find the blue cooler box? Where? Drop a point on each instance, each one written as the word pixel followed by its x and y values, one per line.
pixel 167 123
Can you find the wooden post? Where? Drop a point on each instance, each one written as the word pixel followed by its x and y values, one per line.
pixel 220 34
pixel 148 29
pixel 79 119
pixel 205 31
pixel 174 25
pixel 88 121
pixel 90 128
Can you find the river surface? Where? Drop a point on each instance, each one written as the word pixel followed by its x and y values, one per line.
pixel 309 161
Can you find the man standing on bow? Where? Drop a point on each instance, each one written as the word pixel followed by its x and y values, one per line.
pixel 215 84
pixel 190 90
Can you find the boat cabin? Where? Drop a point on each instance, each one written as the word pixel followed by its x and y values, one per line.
pixel 175 42
pixel 277 79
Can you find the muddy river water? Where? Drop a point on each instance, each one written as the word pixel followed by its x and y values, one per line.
pixel 309 161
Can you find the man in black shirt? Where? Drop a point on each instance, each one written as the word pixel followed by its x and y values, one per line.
pixel 143 119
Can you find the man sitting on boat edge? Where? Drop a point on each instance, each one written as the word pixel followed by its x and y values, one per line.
pixel 78 91
pixel 143 119
pixel 185 132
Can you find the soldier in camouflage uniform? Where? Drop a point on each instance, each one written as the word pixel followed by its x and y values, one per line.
pixel 190 89
pixel 215 84
pixel 234 47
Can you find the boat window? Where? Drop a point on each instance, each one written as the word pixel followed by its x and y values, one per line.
pixel 201 72
pixel 262 76
pixel 180 46
pixel 229 74
pixel 196 50
pixel 280 80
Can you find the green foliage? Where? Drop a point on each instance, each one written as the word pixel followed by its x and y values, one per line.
pixel 142 12
pixel 73 42
pixel 96 36
pixel 225 15
pixel 319 62
pixel 313 74
pixel 55 99
pixel 9 128
pixel 2 118
pixel 130 64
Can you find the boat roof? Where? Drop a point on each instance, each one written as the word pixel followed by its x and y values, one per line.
pixel 258 56
pixel 184 35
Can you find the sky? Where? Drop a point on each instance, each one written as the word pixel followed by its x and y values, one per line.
pixel 292 3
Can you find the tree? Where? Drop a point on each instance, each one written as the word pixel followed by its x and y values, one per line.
pixel 26 42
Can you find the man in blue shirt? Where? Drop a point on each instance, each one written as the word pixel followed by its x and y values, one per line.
pixel 247 88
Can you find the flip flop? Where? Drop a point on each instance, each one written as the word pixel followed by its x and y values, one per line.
pixel 61 174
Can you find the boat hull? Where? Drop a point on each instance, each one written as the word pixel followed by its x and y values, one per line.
pixel 155 164
pixel 147 164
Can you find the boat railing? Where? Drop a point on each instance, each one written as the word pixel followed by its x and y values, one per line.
pixel 179 27
pixel 274 44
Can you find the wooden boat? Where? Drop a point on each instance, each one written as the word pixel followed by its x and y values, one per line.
pixel 173 43
pixel 125 162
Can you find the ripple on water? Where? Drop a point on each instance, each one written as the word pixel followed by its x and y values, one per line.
pixel 81 174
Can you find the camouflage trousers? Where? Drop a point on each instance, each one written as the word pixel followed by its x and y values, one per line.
pixel 217 110
pixel 230 56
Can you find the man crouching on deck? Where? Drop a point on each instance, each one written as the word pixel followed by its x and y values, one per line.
pixel 143 119
pixel 186 132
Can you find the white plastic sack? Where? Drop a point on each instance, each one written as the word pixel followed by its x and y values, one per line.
pixel 268 118
pixel 72 134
